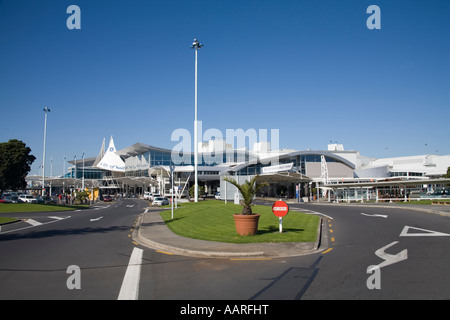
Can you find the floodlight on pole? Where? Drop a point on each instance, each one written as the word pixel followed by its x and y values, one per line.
pixel 46 110
pixel 196 45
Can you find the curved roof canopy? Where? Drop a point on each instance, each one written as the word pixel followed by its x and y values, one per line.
pixel 320 152
pixel 137 149
pixel 294 154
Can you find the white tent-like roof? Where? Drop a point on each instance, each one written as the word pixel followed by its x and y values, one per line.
pixel 111 161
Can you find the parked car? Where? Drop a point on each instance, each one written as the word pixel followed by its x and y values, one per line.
pixel 27 198
pixel 107 198
pixel 154 196
pixel 12 199
pixel 5 197
pixel 45 200
pixel 217 196
pixel 8 198
pixel 160 201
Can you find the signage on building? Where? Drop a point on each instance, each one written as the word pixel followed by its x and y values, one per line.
pixel 277 168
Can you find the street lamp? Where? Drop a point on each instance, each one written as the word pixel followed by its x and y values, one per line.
pixel 82 178
pixel 75 174
pixel 64 167
pixel 46 110
pixel 196 45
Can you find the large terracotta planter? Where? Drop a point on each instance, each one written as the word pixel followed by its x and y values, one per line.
pixel 246 225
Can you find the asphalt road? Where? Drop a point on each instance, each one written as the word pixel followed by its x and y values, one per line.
pixel 35 259
pixel 411 248
pixel 414 246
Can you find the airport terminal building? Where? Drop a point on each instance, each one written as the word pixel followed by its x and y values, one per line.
pixel 333 174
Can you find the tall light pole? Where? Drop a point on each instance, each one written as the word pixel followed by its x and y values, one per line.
pixel 64 167
pixel 46 110
pixel 75 174
pixel 196 45
pixel 82 178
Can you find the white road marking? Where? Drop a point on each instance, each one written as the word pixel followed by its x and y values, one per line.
pixel 389 258
pixel 374 215
pixel 96 219
pixel 130 284
pixel 101 207
pixel 33 222
pixel 427 233
pixel 36 224
pixel 311 212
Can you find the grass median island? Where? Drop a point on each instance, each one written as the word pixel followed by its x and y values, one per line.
pixel 213 220
pixel 32 207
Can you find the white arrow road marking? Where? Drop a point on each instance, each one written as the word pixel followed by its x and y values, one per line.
pixel 130 284
pixel 390 258
pixel 96 219
pixel 428 233
pixel 101 207
pixel 374 215
pixel 311 212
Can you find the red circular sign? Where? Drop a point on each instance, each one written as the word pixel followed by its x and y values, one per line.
pixel 280 208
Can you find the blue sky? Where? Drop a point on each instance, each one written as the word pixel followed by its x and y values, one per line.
pixel 311 69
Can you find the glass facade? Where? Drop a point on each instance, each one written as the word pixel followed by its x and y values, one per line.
pixel 298 161
pixel 89 173
pixel 138 165
pixel 407 174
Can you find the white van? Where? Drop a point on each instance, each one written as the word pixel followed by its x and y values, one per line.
pixel 147 195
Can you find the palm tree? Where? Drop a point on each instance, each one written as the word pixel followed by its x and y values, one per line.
pixel 248 190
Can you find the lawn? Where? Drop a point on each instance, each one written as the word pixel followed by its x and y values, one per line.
pixel 213 220
pixel 32 207
pixel 6 220
pixel 428 201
